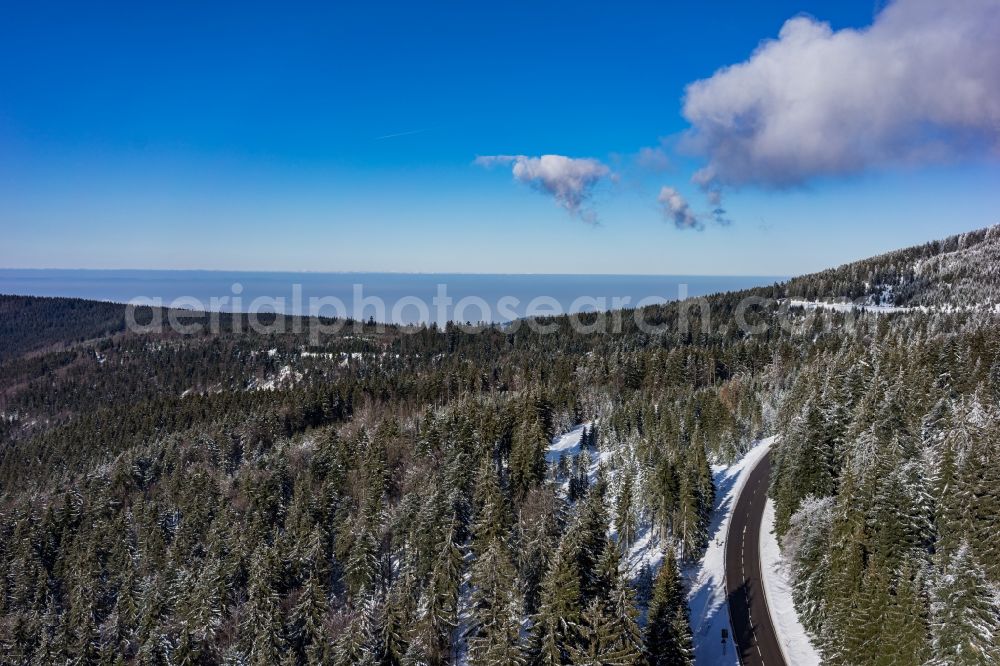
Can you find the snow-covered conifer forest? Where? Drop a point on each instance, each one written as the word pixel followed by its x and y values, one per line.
pixel 503 496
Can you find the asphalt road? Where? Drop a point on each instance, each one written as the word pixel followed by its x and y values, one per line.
pixel 753 632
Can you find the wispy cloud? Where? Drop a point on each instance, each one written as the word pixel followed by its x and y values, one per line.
pixel 676 209
pixel 569 180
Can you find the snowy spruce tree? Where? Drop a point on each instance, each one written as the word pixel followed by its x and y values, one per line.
pixel 668 628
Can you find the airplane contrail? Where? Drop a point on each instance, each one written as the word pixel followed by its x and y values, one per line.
pixel 393 136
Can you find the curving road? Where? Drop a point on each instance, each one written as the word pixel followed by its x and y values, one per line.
pixel 753 633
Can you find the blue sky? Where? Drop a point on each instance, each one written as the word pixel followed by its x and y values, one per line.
pixel 341 136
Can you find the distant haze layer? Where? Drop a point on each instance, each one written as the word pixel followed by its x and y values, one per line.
pixel 400 298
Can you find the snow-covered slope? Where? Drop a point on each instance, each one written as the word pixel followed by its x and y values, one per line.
pixel 961 271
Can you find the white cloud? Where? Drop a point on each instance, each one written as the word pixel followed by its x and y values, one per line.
pixel 920 85
pixel 677 210
pixel 570 181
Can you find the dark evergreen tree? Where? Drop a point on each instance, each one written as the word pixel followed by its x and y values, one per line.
pixel 439 607
pixel 262 628
pixel 494 637
pixel 626 520
pixel 527 456
pixel 668 629
pixel 555 626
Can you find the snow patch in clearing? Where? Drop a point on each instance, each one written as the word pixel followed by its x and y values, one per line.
pixel 285 377
pixel 568 443
pixel 707 579
pixel 792 636
pixel 646 550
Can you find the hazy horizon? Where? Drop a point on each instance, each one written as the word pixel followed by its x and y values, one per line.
pixel 401 298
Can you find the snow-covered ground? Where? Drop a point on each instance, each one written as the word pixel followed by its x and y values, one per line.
pixel 845 306
pixel 792 635
pixel 568 443
pixel 285 376
pixel 849 307
pixel 707 580
pixel 646 549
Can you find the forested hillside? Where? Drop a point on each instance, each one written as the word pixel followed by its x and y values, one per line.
pixel 887 490
pixel 960 271
pixel 387 495
pixel 29 323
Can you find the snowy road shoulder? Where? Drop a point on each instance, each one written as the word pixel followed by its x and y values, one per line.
pixel 707 580
pixel 792 635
